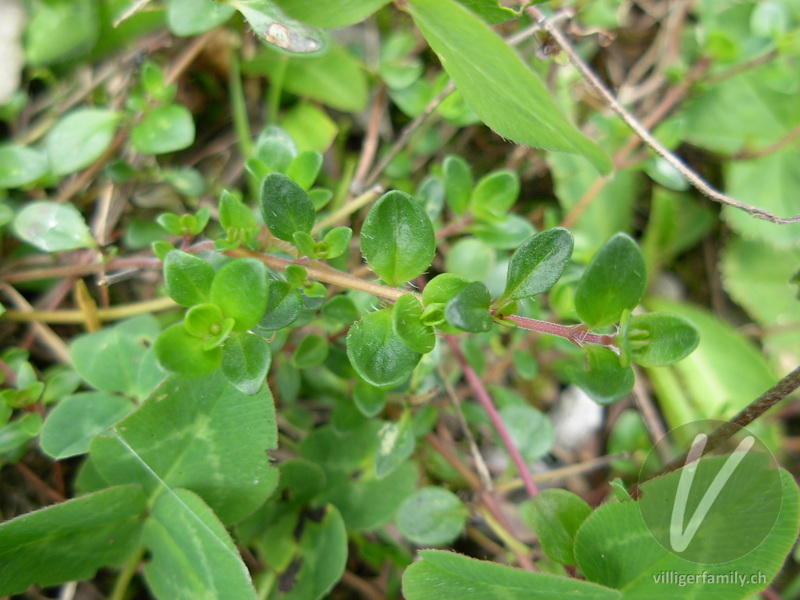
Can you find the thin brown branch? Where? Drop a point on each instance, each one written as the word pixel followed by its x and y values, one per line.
pixel 691 176
pixel 370 145
pixel 406 134
pixel 753 411
pixel 362 586
pixel 787 139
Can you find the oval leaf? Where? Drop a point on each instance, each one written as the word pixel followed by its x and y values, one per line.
pixel 74 421
pixel 538 263
pixel 240 290
pixel 396 442
pixel 431 516
pixel 555 516
pixel 496 83
pixel 369 400
pixel 468 310
pixel 377 354
pixel 310 352
pixel 397 238
pixel 80 138
pixel 494 195
pixel 613 281
pixel 605 380
pixel 53 227
pixel 164 129
pixel 182 353
pixel 187 278
pixel 245 361
pixel 286 207
pixel 284 305
pixel 659 339
pixel 408 327
pixel 20 166
pixel 330 14
pixel 457 183
pixel 280 31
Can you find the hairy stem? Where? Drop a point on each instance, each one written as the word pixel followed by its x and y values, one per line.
pixel 574 333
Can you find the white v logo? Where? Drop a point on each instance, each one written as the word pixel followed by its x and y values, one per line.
pixel 678 537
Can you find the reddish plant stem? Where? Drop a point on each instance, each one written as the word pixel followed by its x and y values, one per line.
pixel 574 333
pixel 485 401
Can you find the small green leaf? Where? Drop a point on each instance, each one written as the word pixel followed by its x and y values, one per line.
pixel 408 327
pixel 80 138
pixel 75 420
pixel 457 183
pixel 203 320
pixel 396 443
pixel 320 197
pixel 310 352
pixel 59 31
pixel 494 195
pixel 285 207
pixel 245 361
pixel 604 379
pixel 192 555
pixel 180 352
pixel 305 244
pixel 187 278
pixel 468 310
pixel 496 83
pixel 70 541
pixel 397 238
pixel 296 275
pixel 555 516
pixel 284 305
pixel 368 399
pixel 336 242
pixel 537 264
pixel 164 129
pixel 377 354
pixel 659 339
pixel 431 516
pixel 304 168
pixel 336 78
pixel 53 227
pixel 508 233
pixel 240 290
pixel 314 289
pixel 471 258
pixel 20 166
pixel 340 309
pixel 437 293
pixel 119 358
pixel 192 17
pixel 614 280
pixel 15 435
pixel 331 15
pixel 233 214
pixel 442 288
pixel 530 429
pixel 280 31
